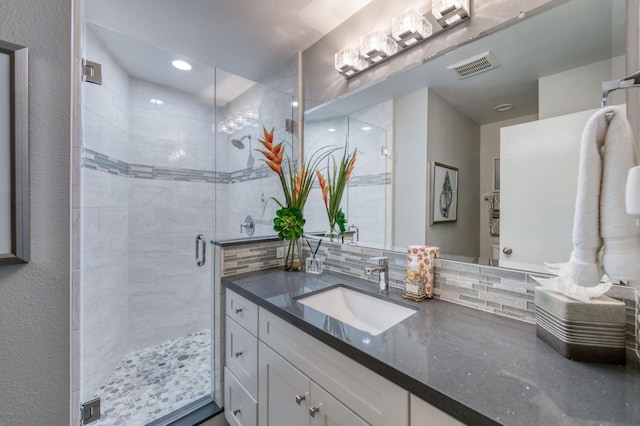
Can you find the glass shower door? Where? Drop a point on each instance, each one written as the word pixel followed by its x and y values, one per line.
pixel 147 213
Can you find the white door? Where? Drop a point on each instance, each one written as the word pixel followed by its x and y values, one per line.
pixel 539 175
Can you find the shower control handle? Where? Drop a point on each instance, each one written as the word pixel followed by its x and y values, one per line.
pixel 201 242
pixel 507 250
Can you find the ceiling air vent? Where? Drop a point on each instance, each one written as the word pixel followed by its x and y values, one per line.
pixel 474 65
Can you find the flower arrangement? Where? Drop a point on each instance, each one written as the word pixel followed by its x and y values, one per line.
pixel 333 187
pixel 296 185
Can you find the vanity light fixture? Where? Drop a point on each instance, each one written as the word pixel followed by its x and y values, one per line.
pixel 181 65
pixel 449 12
pixel 239 120
pixel 348 62
pixel 410 27
pixel 376 46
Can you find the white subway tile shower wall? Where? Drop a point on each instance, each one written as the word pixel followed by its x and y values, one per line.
pixel 104 239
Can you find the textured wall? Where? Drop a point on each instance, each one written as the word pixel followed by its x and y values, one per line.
pixel 34 298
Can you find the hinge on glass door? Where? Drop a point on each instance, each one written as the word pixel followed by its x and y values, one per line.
pixel 90 411
pixel 91 72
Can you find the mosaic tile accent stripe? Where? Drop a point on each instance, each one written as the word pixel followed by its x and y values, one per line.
pixel 251 257
pixel 369 180
pixel 103 163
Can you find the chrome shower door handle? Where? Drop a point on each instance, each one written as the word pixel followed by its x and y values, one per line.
pixel 200 241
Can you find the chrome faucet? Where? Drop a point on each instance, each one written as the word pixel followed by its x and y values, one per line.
pixel 382 270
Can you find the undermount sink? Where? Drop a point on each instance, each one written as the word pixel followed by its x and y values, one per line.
pixel 357 309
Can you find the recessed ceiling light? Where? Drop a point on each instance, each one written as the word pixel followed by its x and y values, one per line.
pixel 181 65
pixel 366 128
pixel 156 101
pixel 331 130
pixel 503 107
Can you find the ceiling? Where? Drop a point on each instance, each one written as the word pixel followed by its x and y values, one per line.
pixel 250 38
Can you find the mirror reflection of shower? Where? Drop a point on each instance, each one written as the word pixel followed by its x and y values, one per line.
pixel 240 145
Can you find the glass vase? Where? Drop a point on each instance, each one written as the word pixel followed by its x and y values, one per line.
pixel 293 260
pixel 332 233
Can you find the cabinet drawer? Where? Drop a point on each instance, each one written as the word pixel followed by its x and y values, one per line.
pixel 243 311
pixel 241 356
pixel 240 408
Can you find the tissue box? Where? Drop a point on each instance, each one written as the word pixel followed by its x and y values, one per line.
pixel 593 331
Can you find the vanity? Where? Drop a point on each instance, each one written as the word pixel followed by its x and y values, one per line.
pixel 290 364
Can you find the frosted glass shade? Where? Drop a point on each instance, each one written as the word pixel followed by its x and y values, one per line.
pixel 409 27
pixel 349 62
pixel 377 46
pixel 449 11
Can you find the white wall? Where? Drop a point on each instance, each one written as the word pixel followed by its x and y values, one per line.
pixel 410 169
pixel 34 298
pixel 490 149
pixel 454 139
pixel 565 92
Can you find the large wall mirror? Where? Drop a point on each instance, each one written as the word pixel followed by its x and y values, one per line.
pixel 14 154
pixel 528 111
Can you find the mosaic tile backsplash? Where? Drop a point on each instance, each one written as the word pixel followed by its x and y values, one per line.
pixel 499 291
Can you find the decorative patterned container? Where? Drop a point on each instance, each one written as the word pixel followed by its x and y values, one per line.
pixel 415 285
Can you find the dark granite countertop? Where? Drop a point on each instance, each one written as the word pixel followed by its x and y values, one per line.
pixel 478 367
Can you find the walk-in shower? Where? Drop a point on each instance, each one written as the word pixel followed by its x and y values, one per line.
pixel 157 180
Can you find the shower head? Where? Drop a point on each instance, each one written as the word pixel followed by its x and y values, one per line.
pixel 238 142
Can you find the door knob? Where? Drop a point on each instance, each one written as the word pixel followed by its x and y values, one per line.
pixel 507 250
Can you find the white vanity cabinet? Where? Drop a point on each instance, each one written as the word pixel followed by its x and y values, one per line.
pixel 423 413
pixel 289 398
pixel 278 375
pixel 367 398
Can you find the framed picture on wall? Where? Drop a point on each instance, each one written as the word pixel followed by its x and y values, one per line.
pixel 444 193
pixel 14 154
pixel 496 174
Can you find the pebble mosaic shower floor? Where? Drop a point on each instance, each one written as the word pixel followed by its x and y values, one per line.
pixel 155 381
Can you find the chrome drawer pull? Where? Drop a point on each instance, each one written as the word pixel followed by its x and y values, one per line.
pixel 236 411
pixel 300 398
pixel 238 310
pixel 237 354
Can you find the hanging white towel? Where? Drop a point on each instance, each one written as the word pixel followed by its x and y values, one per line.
pixel 605 238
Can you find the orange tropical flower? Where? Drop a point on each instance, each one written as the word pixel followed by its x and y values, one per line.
pixel 295 184
pixel 338 173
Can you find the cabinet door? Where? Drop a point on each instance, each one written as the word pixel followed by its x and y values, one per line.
pixel 283 391
pixel 325 410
